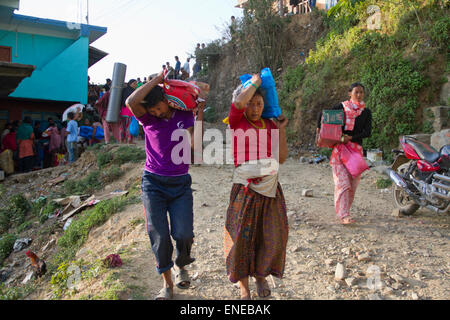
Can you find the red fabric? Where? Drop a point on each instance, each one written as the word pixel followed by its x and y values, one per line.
pixel 102 105
pixel 181 95
pixel 9 142
pixel 113 260
pixel 237 121
pixel 352 110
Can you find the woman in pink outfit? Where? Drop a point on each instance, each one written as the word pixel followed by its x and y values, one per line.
pixel 56 142
pixel 357 125
pixel 125 114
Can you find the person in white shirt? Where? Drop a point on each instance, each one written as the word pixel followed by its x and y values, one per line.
pixel 185 70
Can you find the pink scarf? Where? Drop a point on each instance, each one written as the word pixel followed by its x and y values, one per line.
pixel 352 110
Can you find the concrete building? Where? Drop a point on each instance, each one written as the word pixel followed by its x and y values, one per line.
pixel 43 64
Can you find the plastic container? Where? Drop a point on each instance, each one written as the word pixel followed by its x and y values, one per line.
pixel 375 155
pixel 271 105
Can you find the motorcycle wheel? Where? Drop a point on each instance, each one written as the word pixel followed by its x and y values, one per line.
pixel 406 205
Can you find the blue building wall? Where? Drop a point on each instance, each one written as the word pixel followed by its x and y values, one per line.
pixel 61 65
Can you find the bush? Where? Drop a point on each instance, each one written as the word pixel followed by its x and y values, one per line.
pixel 6 246
pixel 14 213
pixel 15 293
pixel 126 154
pixel 103 158
pixel 86 185
pixel 261 35
pixel 111 174
pixel 393 78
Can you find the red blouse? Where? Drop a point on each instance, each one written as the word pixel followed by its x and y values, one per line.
pixel 9 142
pixel 250 143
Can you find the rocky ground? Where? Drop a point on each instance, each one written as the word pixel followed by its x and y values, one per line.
pixel 380 257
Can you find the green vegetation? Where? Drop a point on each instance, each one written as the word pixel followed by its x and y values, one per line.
pixel 391 62
pixel 43 207
pixel 261 34
pixel 6 246
pixel 77 233
pixel 383 183
pixel 15 293
pixel 93 181
pixel 120 156
pixel 67 277
pixel 14 212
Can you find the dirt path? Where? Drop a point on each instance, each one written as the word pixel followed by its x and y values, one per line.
pixel 412 253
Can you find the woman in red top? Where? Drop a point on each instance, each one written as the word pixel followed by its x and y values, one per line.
pixel 256 229
pixel 9 141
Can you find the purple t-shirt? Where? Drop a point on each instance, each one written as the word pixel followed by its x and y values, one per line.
pixel 159 144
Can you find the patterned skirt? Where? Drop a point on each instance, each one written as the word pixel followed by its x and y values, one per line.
pixel 256 234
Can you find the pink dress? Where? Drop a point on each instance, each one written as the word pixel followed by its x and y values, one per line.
pixel 55 139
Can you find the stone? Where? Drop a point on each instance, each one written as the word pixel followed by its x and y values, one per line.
pixel 28 277
pixel 350 282
pixel 440 139
pixel 339 274
pixel 297 249
pixel 445 92
pixel 438 117
pixel 20 244
pixel 414 296
pixel 307 193
pixel 346 251
pixel 437 234
pixel 4 274
pixel 364 257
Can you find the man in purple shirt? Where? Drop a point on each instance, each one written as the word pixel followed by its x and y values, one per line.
pixel 166 184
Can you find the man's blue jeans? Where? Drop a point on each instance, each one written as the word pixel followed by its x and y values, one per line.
pixel 173 195
pixel 73 151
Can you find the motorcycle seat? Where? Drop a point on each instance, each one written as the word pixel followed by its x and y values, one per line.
pixel 424 151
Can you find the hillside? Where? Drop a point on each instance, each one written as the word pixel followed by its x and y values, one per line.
pixel 403 65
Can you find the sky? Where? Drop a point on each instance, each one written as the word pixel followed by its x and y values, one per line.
pixel 142 34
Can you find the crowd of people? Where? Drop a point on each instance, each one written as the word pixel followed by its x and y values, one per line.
pixel 31 146
pixel 183 72
pixel 27 145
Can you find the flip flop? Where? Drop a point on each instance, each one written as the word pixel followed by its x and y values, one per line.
pixel 262 288
pixel 182 279
pixel 165 294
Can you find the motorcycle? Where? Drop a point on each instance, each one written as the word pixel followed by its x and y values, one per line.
pixel 421 177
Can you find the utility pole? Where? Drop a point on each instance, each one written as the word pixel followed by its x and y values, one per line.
pixel 87 11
